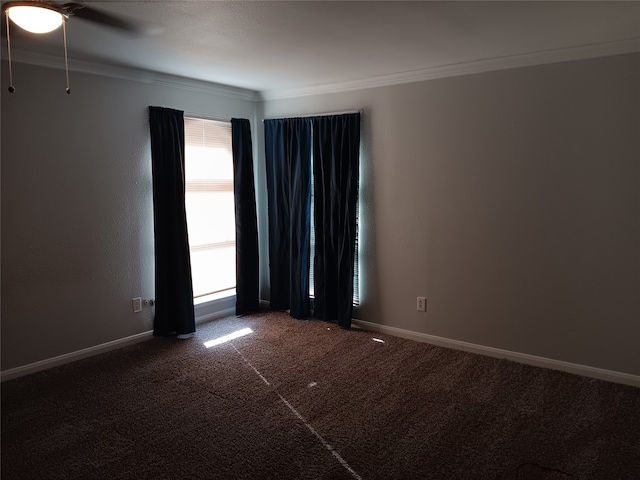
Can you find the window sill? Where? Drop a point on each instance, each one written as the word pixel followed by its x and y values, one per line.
pixel 215 296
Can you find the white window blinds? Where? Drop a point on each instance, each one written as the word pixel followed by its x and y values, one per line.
pixel 210 205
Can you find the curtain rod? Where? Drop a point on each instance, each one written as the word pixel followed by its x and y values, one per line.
pixel 317 114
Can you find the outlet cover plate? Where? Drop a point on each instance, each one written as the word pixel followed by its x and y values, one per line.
pixel 421 305
pixel 137 304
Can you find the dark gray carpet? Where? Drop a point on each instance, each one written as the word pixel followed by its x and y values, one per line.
pixel 308 400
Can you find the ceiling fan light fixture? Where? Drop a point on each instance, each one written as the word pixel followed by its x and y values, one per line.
pixel 35 19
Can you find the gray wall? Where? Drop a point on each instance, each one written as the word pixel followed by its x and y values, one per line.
pixel 511 200
pixel 77 212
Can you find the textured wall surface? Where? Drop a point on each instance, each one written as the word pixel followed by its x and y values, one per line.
pixel 511 200
pixel 77 207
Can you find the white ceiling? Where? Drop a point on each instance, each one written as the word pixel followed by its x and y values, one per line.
pixel 273 47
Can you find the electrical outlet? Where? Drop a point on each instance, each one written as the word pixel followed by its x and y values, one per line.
pixel 421 304
pixel 137 304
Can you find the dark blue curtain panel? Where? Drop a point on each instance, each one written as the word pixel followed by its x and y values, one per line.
pixel 299 154
pixel 336 165
pixel 288 162
pixel 333 141
pixel 277 167
pixel 247 265
pixel 174 313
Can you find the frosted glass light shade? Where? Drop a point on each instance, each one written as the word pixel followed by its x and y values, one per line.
pixel 35 19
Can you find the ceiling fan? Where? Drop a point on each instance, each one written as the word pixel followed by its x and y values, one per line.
pixel 42 16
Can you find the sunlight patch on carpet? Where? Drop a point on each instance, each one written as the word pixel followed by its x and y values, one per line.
pixel 227 338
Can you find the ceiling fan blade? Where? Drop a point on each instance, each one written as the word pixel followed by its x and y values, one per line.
pixel 82 10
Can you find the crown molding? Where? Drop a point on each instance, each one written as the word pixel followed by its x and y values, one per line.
pixel 458 69
pixel 465 68
pixel 130 73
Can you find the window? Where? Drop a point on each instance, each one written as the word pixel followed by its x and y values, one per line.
pixel 210 205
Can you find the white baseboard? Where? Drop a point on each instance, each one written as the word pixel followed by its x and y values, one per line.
pixel 592 372
pixel 96 350
pixel 586 371
pixel 73 356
